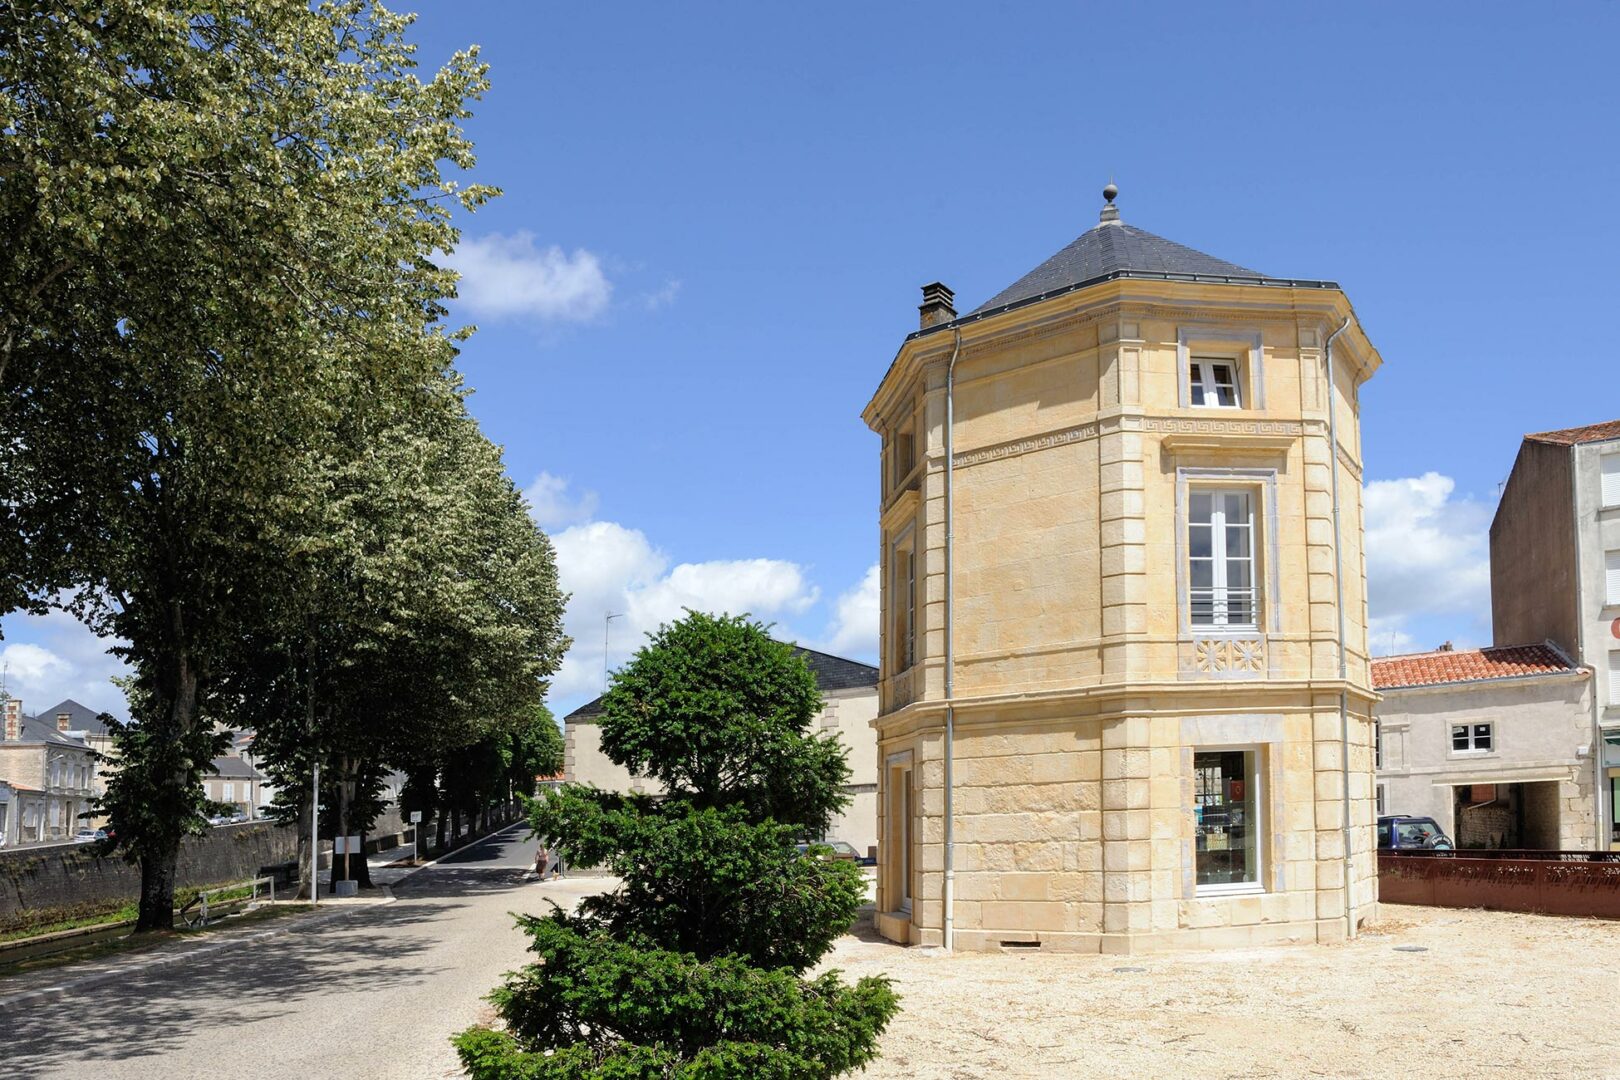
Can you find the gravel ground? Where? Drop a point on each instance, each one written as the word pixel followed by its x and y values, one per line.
pixel 1494 994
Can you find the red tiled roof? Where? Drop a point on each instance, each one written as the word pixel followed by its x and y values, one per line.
pixel 1467 665
pixel 1609 429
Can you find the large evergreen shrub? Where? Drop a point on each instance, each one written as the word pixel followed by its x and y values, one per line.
pixel 694 967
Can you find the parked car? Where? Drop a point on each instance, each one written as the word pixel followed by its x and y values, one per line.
pixel 1397 832
pixel 840 849
pixel 86 836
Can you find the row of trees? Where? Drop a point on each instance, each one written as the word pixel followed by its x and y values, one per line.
pixel 232 437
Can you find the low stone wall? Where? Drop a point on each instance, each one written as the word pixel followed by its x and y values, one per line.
pixel 72 878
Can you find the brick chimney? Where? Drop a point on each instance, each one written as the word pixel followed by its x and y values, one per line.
pixel 1446 647
pixel 64 720
pixel 938 306
pixel 13 720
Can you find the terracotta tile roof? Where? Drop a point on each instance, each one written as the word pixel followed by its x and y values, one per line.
pixel 1609 429
pixel 1468 665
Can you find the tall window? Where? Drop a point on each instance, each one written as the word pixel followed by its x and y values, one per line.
pixel 911 608
pixel 905 456
pixel 1611 480
pixel 1614 677
pixel 1220 556
pixel 1378 746
pixel 904 607
pixel 1226 819
pixel 1611 577
pixel 1213 383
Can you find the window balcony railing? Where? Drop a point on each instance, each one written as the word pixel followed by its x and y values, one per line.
pixel 1224 608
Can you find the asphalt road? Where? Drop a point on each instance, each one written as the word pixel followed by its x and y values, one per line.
pixel 368 993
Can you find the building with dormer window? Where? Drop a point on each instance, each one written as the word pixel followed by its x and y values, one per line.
pixel 1124 699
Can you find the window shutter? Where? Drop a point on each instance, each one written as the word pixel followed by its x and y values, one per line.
pixel 1611 480
pixel 1614 677
pixel 1611 574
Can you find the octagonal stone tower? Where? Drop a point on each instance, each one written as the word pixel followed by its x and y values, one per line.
pixel 1125 701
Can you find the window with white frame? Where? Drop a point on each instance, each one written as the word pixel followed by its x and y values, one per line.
pixel 1611 479
pixel 1212 382
pixel 1378 746
pixel 1380 797
pixel 904 607
pixel 1220 559
pixel 1472 738
pixel 1226 820
pixel 1611 577
pixel 1614 677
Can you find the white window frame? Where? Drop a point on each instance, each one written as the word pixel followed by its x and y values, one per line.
pixel 1201 376
pixel 1472 734
pixel 1614 677
pixel 1381 799
pixel 1220 590
pixel 1255 778
pixel 1611 578
pixel 1609 480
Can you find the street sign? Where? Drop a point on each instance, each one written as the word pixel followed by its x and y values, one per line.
pixel 416 817
pixel 345 845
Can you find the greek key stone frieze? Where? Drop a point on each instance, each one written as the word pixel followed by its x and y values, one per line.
pixel 1024 446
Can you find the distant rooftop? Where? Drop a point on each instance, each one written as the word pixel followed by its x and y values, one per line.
pixel 1608 429
pixel 1468 665
pixel 831 672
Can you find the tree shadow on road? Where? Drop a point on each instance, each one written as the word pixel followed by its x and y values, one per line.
pixel 149 1009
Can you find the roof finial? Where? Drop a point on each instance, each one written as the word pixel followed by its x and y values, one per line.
pixel 1110 212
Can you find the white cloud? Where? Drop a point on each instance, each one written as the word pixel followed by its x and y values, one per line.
pixel 854 630
pixel 662 297
pixel 551 505
pixel 608 568
pixel 47 658
pixel 1428 560
pixel 510 275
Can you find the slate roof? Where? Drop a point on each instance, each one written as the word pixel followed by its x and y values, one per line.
pixel 235 768
pixel 831 672
pixel 39 731
pixel 1469 665
pixel 1609 429
pixel 84 717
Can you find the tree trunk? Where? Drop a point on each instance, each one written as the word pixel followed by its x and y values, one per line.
pixel 304 882
pixel 161 853
pixel 157 891
pixel 440 820
pixel 455 824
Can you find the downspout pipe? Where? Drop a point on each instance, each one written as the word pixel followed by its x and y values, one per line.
pixel 949 934
pixel 1338 597
pixel 1580 653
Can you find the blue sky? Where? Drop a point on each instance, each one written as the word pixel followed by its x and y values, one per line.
pixel 716 219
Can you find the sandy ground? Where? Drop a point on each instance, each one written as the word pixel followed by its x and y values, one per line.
pixel 1494 994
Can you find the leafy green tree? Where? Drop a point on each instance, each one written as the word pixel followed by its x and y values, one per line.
pixel 694 967
pixel 221 218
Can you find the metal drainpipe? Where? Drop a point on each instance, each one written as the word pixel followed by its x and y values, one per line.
pixel 950 649
pixel 1344 667
pixel 1580 654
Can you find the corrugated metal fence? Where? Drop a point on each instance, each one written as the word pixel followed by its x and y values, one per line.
pixel 1585 883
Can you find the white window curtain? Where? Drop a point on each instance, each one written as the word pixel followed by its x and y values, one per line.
pixel 1611 575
